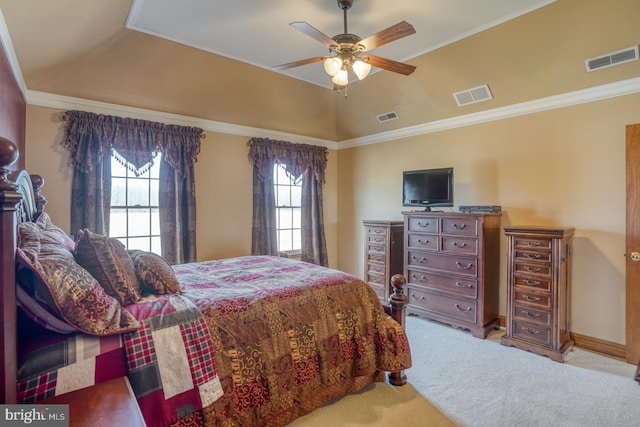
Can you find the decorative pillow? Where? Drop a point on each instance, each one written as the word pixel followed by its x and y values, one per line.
pixel 55 232
pixel 109 262
pixel 49 274
pixel 154 273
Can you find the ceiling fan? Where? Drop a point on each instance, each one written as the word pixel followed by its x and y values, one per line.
pixel 348 51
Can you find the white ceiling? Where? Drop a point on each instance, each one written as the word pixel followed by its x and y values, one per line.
pixel 257 31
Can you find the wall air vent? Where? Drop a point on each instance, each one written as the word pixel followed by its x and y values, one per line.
pixel 473 95
pixel 611 59
pixel 392 115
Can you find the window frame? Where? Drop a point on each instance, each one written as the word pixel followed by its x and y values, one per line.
pixel 290 184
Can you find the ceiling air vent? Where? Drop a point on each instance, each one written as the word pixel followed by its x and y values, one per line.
pixel 392 115
pixel 611 59
pixel 473 95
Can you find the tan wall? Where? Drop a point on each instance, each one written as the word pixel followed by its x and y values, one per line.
pixel 564 168
pixel 223 186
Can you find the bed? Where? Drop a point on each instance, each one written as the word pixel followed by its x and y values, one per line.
pixel 246 341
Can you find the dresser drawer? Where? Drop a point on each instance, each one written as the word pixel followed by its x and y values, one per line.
pixel 458 308
pixel 531 332
pixel 528 314
pixel 448 263
pixel 460 226
pixel 521 242
pixel 375 278
pixel 459 245
pixel 376 231
pixel 379 288
pixel 541 256
pixel 423 224
pixel 539 300
pixel 454 285
pixel 377 239
pixel 373 268
pixel 531 268
pixel 423 241
pixel 527 281
pixel 376 248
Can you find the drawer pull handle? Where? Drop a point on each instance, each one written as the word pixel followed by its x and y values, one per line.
pixel 462 267
pixel 460 245
pixel 532 282
pixel 468 309
pixel 528 243
pixel 423 278
pixel 529 331
pixel 460 227
pixel 529 314
pixel 535 256
pixel 423 242
pixel 378 240
pixel 416 259
pixel 378 231
pixel 378 258
pixel 416 298
pixel 420 224
pixel 532 270
pixel 531 299
pixel 462 285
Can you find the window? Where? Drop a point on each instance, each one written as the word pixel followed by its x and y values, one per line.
pixel 134 214
pixel 288 203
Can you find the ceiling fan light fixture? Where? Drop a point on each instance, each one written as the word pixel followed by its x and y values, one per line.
pixel 342 78
pixel 332 65
pixel 361 68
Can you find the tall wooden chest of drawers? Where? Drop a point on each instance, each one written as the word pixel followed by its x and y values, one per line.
pixel 383 254
pixel 539 290
pixel 452 268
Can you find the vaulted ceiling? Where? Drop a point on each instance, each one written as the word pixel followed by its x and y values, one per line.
pixel 212 59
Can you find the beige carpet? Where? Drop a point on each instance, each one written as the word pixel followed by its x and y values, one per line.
pixel 377 405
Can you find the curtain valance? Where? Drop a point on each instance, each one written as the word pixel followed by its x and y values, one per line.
pixel 89 136
pixel 297 158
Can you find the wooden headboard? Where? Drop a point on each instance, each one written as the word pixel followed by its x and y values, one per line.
pixel 21 201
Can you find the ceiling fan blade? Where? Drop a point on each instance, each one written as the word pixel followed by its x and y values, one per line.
pixel 314 33
pixel 395 32
pixel 297 63
pixel 390 65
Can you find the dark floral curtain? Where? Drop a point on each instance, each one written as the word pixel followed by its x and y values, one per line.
pixel 300 160
pixel 90 139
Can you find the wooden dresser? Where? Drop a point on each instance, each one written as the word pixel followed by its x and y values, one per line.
pixel 539 290
pixel 383 254
pixel 452 268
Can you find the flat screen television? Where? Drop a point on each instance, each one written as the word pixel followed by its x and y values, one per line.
pixel 428 188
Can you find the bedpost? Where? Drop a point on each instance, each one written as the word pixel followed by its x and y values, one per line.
pixel 9 199
pixel 398 303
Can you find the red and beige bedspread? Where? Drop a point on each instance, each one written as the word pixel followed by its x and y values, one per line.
pixel 276 338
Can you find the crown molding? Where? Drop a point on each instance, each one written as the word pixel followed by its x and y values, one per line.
pixel 592 94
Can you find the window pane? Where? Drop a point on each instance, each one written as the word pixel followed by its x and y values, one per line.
pixel 117 168
pixel 296 196
pixel 283 195
pixel 142 243
pixel 281 175
pixel 138 194
pixel 154 172
pixel 154 192
pixel 286 219
pixel 155 245
pixel 284 240
pixel 296 218
pixel 155 221
pixel 118 192
pixel 118 222
pixel 139 222
pixel 296 243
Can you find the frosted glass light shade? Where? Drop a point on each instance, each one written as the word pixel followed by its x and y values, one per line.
pixel 361 69
pixel 341 79
pixel 332 65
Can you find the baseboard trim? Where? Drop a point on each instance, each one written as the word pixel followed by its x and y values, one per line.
pixel 592 344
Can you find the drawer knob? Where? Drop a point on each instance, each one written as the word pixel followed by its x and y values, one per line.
pixel 425 224
pixel 378 240
pixel 423 242
pixel 531 299
pixel 462 267
pixel 534 256
pixel 529 314
pixel 420 260
pixel 423 278
pixel 528 243
pixel 421 298
pixel 460 245
pixel 532 270
pixel 532 282
pixel 459 227
pixel 464 310
pixel 462 285
pixel 529 331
